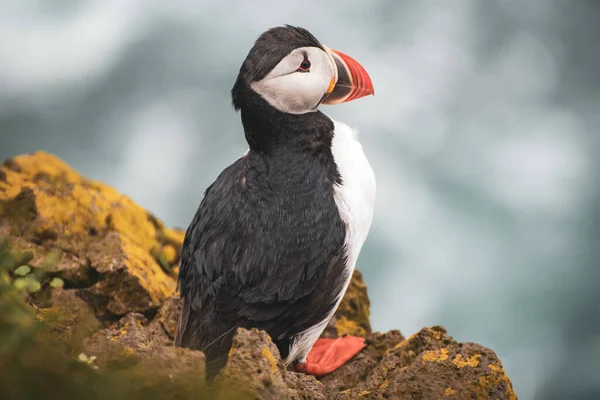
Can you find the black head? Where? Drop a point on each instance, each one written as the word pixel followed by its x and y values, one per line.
pixel 288 73
pixel 268 50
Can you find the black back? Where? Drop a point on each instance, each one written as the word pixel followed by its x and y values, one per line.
pixel 266 246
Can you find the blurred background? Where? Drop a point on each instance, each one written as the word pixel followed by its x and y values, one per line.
pixel 483 135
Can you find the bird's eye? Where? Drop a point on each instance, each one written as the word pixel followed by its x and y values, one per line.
pixel 305 66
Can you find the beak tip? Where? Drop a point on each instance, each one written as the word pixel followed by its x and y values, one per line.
pixel 353 81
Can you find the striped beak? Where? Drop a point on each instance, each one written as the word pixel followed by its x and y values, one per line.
pixel 350 82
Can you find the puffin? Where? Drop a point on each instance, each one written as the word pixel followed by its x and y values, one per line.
pixel 276 238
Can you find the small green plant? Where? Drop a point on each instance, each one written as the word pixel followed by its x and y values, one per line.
pixel 57 283
pixel 23 270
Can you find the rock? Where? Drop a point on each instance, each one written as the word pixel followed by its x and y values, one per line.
pixel 138 345
pixel 306 386
pixel 354 373
pixel 87 234
pixel 105 277
pixel 185 369
pixel 168 316
pixel 132 335
pixel 254 369
pixel 430 365
pixel 69 319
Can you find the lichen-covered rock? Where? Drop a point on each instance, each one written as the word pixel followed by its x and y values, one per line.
pixel 132 335
pixel 95 238
pixel 254 369
pixel 100 273
pixel 428 365
pixel 168 315
pixel 87 234
pixel 432 365
pixel 135 343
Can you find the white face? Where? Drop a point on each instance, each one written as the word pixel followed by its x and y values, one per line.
pixel 290 88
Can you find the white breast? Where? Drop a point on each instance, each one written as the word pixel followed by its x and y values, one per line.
pixel 355 197
pixel 355 200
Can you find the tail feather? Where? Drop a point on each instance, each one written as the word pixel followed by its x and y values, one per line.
pixel 214 365
pixel 193 335
pixel 182 326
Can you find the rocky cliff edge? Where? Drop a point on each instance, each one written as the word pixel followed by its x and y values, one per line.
pixel 97 274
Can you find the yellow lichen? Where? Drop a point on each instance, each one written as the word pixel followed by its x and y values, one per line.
pixel 344 326
pixel 435 355
pixel 128 351
pixel 142 265
pixel 385 384
pixel 364 393
pixel 169 253
pixel 31 166
pixel 472 361
pixel 266 353
pixel 491 382
pixel 494 368
pixel 41 195
pixel 449 392
pixel 174 236
pixel 43 313
pixel 70 204
pixel 122 332
pixel 352 315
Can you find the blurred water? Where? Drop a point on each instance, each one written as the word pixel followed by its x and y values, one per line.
pixel 482 134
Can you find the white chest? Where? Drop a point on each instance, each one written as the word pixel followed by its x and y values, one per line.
pixel 355 200
pixel 355 197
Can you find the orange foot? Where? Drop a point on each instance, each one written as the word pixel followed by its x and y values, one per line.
pixel 327 355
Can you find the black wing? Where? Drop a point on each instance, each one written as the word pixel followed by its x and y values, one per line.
pixel 264 250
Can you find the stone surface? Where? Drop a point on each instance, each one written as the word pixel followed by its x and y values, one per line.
pixel 168 315
pixel 306 386
pixel 102 279
pixel 428 365
pixel 88 234
pixel 355 372
pixel 254 369
pixel 69 319
pixel 132 335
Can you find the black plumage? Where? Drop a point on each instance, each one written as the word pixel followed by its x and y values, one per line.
pixel 266 246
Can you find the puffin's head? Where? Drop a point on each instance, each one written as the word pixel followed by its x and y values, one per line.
pixel 294 73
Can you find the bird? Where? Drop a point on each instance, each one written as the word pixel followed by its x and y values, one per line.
pixel 276 237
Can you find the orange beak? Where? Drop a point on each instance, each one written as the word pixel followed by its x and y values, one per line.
pixel 350 82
